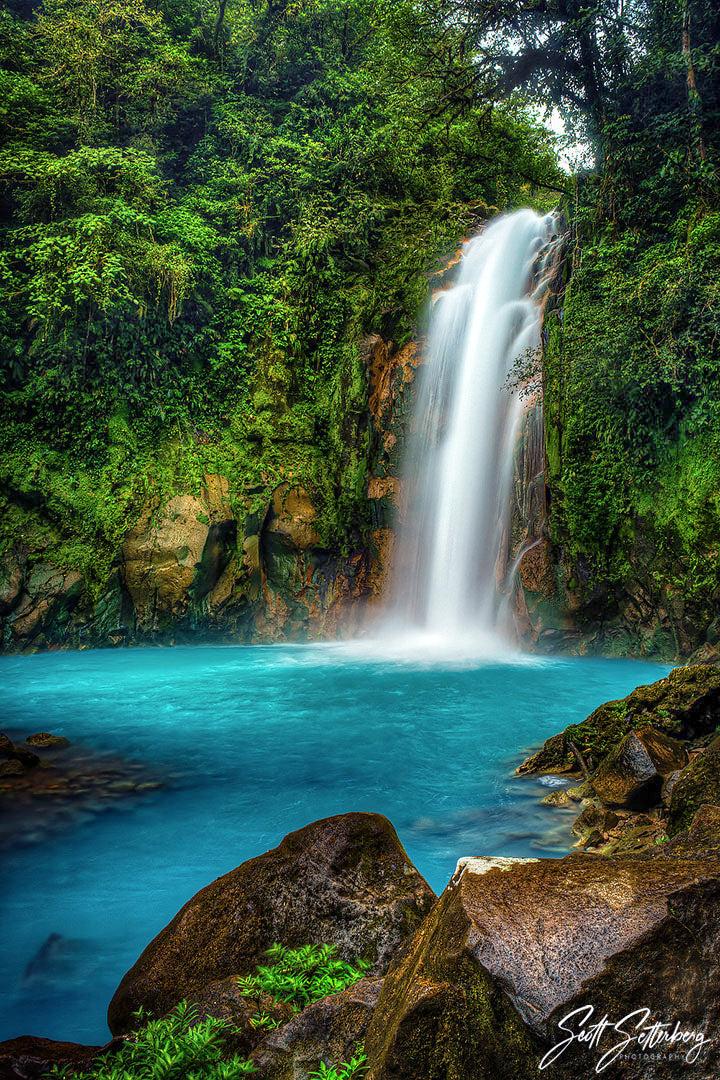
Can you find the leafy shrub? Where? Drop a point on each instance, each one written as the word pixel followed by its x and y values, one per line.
pixel 300 976
pixel 179 1047
pixel 354 1069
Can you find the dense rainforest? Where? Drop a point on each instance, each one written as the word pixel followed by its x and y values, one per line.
pixel 206 207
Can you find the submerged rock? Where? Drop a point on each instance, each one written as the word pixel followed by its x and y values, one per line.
pixel 47 741
pixel 344 880
pixel 329 1031
pixel 12 752
pixel 514 945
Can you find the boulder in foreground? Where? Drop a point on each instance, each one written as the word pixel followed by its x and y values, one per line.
pixel 344 881
pixel 513 946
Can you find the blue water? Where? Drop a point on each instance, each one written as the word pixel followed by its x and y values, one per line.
pixel 259 741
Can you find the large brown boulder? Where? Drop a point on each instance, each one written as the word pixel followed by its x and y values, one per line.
pixel 345 880
pixel 331 1031
pixel 513 946
pixel 632 774
pixel 697 785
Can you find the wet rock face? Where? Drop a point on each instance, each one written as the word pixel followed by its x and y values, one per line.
pixel 513 946
pixel 345 881
pixel 329 1031
pixel 632 775
pixel 212 564
pixel 160 555
pixel 37 602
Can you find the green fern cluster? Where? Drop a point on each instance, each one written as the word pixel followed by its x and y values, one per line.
pixel 354 1069
pixel 179 1047
pixel 300 976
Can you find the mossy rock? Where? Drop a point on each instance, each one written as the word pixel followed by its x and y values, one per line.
pixel 697 785
pixel 685 705
pixel 700 841
pixel 631 775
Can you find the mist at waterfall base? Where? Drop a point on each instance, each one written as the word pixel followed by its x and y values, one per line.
pixel 254 742
pixel 452 567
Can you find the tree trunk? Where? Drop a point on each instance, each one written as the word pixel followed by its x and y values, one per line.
pixel 694 100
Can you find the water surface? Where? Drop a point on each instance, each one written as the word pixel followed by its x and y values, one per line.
pixel 257 741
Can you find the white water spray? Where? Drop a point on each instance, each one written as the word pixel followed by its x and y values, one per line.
pixel 452 547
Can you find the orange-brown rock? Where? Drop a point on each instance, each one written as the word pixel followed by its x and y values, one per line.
pixel 160 556
pixel 536 570
pixel 293 517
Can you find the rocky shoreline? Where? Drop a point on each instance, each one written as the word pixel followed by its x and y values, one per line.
pixel 48 784
pixel 475 984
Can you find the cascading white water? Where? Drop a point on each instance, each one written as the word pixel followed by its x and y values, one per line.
pixel 452 545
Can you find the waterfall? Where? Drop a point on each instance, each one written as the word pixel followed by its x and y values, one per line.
pixel 453 550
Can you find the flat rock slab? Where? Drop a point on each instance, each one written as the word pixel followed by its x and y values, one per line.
pixel 345 881
pixel 513 946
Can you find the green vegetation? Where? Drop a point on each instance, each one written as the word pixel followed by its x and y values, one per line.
pixel 177 1048
pixel 632 376
pixel 183 1047
pixel 299 976
pixel 203 208
pixel 354 1069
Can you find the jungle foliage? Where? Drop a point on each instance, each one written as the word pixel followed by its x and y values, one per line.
pixel 204 205
pixel 632 376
